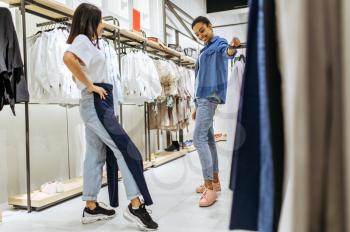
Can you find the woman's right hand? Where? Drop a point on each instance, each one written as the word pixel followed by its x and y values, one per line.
pixel 194 115
pixel 99 90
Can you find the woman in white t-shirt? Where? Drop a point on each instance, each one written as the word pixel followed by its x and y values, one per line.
pixel 87 63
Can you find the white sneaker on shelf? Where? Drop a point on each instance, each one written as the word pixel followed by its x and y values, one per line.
pixel 48 188
pixel 52 187
pixel 59 187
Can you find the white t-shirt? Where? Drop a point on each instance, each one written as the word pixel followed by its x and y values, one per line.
pixel 93 58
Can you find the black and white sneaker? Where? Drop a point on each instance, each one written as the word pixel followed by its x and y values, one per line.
pixel 97 214
pixel 140 217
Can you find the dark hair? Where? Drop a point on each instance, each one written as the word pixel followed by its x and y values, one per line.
pixel 85 21
pixel 201 19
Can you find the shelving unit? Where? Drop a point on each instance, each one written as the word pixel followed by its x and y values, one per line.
pixel 40 200
pixel 55 11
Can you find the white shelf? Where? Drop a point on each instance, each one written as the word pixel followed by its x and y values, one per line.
pixel 40 200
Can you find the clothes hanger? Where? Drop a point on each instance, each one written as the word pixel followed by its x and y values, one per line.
pixel 242 57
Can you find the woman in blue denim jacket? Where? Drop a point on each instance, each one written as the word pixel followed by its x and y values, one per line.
pixel 210 90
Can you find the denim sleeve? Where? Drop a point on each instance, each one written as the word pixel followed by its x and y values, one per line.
pixel 222 48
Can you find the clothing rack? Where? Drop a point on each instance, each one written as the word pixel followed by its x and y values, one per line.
pixel 231 25
pixel 57 12
pixel 242 45
pixel 64 20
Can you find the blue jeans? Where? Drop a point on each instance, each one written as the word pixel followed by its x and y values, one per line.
pixel 96 139
pixel 203 137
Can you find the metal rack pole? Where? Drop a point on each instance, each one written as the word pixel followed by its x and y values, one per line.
pixel 164 24
pixel 149 134
pixel 146 115
pixel 120 74
pixel 181 132
pixel 146 126
pixel 67 124
pixel 24 31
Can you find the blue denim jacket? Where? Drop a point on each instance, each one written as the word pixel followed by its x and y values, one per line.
pixel 211 70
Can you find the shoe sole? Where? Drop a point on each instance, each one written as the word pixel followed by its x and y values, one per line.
pixel 88 220
pixel 205 206
pixel 136 221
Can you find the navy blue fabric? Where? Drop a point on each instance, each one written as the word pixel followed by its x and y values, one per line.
pixel 112 178
pixel 274 94
pixel 131 154
pixel 245 173
pixel 258 165
pixel 265 222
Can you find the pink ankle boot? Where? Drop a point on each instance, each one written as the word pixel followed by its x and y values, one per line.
pixel 208 198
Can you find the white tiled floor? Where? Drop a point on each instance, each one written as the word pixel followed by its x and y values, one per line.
pixel 175 203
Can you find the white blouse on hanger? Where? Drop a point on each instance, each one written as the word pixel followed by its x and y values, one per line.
pixel 49 79
pixel 112 71
pixel 168 75
pixel 140 80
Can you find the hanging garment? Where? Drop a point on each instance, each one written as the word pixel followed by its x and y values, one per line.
pixel 165 117
pixel 190 82
pixel 165 112
pixel 245 170
pixel 181 109
pixel 131 154
pixel 314 90
pixel 140 80
pixel 168 76
pixel 272 135
pixel 13 85
pixel 154 115
pixel 113 76
pixel 181 82
pixel 50 81
pixel 260 159
pixel 266 193
pixel 229 110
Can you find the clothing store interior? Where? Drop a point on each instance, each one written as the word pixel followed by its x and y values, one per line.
pixel 175 115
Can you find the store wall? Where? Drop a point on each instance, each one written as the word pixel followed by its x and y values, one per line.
pixel 194 7
pixel 230 17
